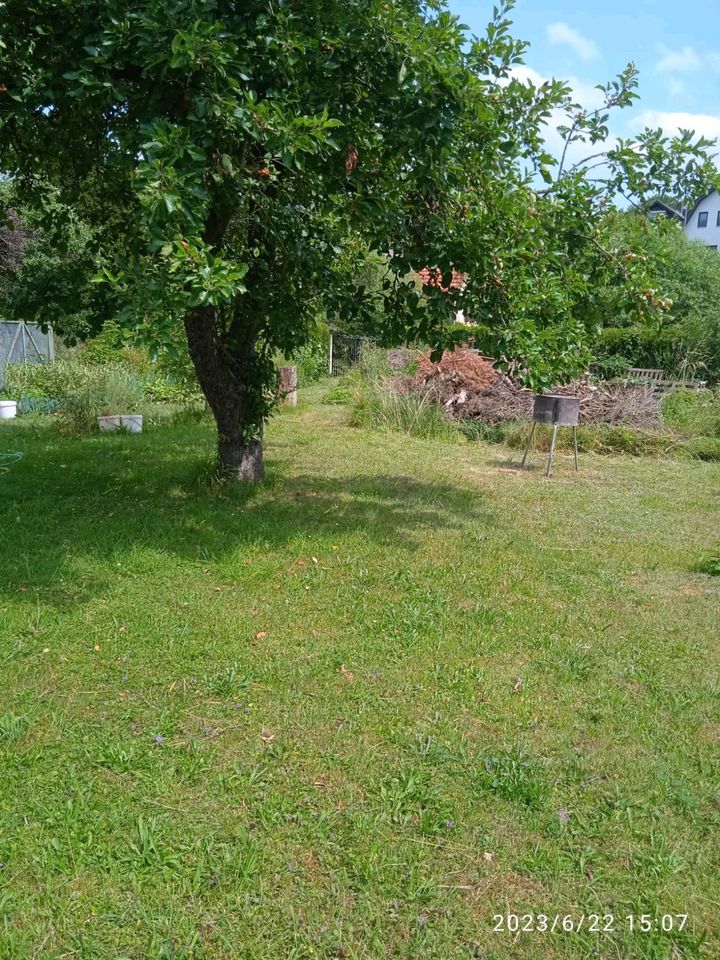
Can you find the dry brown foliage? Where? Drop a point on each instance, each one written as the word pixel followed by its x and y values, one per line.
pixel 470 388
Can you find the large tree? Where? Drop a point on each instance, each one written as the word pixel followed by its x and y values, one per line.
pixel 261 152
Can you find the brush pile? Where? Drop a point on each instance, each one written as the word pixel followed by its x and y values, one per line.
pixel 469 387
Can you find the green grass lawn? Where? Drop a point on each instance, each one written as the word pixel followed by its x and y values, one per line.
pixel 358 712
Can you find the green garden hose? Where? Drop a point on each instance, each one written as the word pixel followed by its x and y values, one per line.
pixel 7 459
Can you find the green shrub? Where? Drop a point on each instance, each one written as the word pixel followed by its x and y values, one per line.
pixel 109 348
pixel 163 389
pixel 44 386
pixel 312 362
pixel 170 378
pixel 611 367
pixel 52 381
pixel 480 336
pixel 173 378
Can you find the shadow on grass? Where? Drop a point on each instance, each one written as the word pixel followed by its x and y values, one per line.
pixel 87 504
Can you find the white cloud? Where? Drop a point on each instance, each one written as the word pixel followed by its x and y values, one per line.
pixel 676 88
pixel 524 73
pixel 679 61
pixel 562 34
pixel 702 123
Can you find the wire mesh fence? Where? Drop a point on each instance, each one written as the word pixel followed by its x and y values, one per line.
pixel 24 342
pixel 346 351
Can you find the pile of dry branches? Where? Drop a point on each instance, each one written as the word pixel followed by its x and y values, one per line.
pixel 470 388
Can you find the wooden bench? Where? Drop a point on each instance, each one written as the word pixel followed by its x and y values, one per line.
pixel 642 373
pixel 662 384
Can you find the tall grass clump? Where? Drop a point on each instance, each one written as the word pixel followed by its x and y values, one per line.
pixel 377 402
pixel 601 438
pixel 693 412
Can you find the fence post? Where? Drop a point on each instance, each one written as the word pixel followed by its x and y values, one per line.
pixel 330 369
pixel 288 385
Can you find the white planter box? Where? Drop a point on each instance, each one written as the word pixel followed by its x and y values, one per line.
pixel 130 422
pixel 8 409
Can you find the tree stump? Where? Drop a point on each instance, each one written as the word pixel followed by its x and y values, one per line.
pixel 288 385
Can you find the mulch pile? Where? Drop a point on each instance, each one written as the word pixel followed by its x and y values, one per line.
pixel 470 388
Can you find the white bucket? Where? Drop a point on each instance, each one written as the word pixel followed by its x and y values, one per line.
pixel 130 422
pixel 8 409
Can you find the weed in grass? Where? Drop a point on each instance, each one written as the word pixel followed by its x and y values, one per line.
pixel 433 752
pixel 148 851
pixel 12 728
pixel 515 775
pixel 574 664
pixel 413 796
pixel 710 563
pixel 658 860
pixel 115 757
pixel 227 682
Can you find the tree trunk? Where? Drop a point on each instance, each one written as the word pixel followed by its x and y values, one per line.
pixel 233 386
pixel 241 459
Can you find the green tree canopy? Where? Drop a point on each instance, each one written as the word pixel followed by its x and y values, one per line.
pixel 261 152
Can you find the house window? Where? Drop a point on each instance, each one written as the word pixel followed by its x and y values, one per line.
pixel 718 219
pixel 702 219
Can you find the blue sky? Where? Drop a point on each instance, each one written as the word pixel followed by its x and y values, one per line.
pixel 676 46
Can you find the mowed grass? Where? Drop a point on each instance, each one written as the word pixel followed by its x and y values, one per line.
pixel 358 712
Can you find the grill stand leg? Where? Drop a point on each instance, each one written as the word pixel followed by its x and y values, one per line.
pixel 528 445
pixel 575 443
pixel 548 472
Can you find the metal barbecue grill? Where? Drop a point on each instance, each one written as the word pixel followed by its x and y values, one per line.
pixel 556 411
